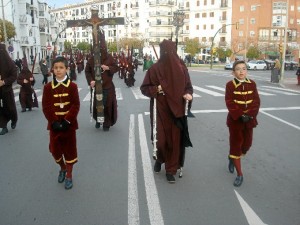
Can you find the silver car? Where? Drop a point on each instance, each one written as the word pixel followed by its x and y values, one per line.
pixel 256 65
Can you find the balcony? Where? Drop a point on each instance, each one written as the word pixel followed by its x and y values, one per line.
pixel 27 41
pixel 24 19
pixel 160 23
pixel 161 2
pixel 160 34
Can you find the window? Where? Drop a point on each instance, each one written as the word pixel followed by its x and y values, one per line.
pixel 197 27
pixel 241 21
pixel 198 3
pixel 203 15
pixel 212 2
pixel 252 33
pixel 252 21
pixel 211 26
pixel 204 27
pixel 211 14
pixel 241 33
pixel 205 2
pixel 242 8
pixel 204 39
pixel 197 15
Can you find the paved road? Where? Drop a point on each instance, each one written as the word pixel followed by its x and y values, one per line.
pixel 114 182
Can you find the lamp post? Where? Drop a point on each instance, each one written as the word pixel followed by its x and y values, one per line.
pixel 285 43
pixel 212 41
pixel 178 18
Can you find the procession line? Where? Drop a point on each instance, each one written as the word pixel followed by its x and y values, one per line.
pixel 154 210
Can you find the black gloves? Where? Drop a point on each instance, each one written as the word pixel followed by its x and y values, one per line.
pixel 60 126
pixel 65 124
pixel 56 126
pixel 245 118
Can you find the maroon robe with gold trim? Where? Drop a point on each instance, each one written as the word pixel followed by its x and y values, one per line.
pixel 61 101
pixel 241 98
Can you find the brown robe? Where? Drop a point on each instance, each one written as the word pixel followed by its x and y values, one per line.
pixel 170 108
pixel 8 73
pixel 109 92
pixel 27 95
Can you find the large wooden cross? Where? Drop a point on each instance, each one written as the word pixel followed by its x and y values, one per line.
pixel 95 22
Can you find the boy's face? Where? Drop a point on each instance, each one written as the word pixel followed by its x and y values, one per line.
pixel 240 71
pixel 60 70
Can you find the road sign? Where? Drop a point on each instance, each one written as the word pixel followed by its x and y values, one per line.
pixel 10 48
pixel 49 47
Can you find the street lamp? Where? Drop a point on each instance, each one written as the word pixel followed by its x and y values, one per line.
pixel 4 27
pixel 178 18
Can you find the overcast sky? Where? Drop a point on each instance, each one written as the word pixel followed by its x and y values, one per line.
pixel 61 3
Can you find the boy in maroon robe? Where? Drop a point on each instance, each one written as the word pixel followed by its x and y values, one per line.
pixel 61 106
pixel 169 83
pixel 243 102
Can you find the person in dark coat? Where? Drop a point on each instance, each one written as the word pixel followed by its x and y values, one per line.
pixel 8 75
pixel 109 68
pixel 72 66
pixel 45 71
pixel 168 82
pixel 27 95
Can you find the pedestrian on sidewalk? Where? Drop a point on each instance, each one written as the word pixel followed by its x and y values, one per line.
pixel 167 83
pixel 61 106
pixel 8 75
pixel 298 74
pixel 243 102
pixel 275 72
pixel 45 71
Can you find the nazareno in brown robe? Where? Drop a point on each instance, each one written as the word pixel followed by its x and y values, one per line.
pixel 27 95
pixel 171 73
pixel 8 73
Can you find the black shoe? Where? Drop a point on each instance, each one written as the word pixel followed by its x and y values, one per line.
pixel 170 178
pixel 23 110
pixel 68 183
pixel 157 167
pixel 61 176
pixel 29 109
pixel 97 125
pixel 13 125
pixel 105 128
pixel 4 131
pixel 238 181
pixel 230 165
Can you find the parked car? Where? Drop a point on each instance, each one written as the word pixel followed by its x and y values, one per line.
pixel 256 65
pixel 228 66
pixel 140 61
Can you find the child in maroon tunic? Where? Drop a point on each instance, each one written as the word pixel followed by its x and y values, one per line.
pixel 61 106
pixel 243 102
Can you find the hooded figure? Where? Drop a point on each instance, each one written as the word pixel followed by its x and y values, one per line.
pixel 109 67
pixel 8 75
pixel 168 82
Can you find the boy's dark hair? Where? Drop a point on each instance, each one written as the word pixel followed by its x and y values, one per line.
pixel 238 62
pixel 62 60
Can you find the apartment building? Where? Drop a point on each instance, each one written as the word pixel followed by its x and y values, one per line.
pixel 262 24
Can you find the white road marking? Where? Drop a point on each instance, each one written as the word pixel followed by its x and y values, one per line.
pixel 207 91
pixel 137 93
pixel 281 120
pixel 283 89
pixel 251 216
pixel 133 203
pixel 277 91
pixel 154 210
pixel 119 95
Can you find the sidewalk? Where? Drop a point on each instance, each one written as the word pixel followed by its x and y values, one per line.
pixel 290 83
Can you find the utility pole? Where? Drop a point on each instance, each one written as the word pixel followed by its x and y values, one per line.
pixel 4 27
pixel 284 43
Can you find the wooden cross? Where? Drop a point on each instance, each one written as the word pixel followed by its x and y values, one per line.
pixel 95 22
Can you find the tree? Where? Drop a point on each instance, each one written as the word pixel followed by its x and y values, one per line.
pixel 223 53
pixel 112 47
pixel 253 52
pixel 83 46
pixel 192 46
pixel 68 46
pixel 125 43
pixel 10 30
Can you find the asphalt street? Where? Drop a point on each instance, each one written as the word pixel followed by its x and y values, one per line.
pixel 114 181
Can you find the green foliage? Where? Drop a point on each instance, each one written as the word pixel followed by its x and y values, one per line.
pixel 253 53
pixel 68 46
pixel 10 30
pixel 223 54
pixel 83 46
pixel 192 46
pixel 112 47
pixel 131 42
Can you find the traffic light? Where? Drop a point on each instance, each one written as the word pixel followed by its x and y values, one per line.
pixel 237 24
pixel 214 50
pixel 281 48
